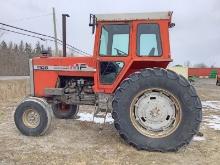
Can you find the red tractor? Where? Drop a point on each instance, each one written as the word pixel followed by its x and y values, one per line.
pixel 153 108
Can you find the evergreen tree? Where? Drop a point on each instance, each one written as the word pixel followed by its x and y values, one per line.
pixel 15 48
pixel 4 45
pixel 21 46
pixel 10 46
pixel 42 48
pixel 28 48
pixel 37 48
pixel 49 49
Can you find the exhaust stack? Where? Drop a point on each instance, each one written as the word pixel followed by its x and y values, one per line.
pixel 64 32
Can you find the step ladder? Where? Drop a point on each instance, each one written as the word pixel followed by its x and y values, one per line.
pixel 102 107
pixel 100 113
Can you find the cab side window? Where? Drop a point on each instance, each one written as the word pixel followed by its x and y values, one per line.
pixel 148 40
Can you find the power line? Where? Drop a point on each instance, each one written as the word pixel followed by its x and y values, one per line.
pixel 43 39
pixel 22 34
pixel 26 30
pixel 29 31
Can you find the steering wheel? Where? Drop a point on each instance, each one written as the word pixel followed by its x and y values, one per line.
pixel 109 67
pixel 120 52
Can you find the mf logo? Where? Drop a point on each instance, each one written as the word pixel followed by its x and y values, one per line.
pixel 79 66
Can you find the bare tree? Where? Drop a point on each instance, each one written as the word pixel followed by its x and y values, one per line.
pixel 187 63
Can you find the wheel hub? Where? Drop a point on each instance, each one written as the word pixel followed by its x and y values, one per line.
pixel 155 112
pixel 31 118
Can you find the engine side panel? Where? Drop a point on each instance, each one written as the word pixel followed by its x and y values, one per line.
pixel 42 80
pixel 46 71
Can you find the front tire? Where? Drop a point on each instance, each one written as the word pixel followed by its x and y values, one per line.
pixel 33 117
pixel 156 110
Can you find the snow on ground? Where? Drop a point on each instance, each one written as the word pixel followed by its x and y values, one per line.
pixel 213 121
pixel 89 117
pixel 198 138
pixel 215 105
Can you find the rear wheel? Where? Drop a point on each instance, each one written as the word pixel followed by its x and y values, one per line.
pixel 156 110
pixel 65 111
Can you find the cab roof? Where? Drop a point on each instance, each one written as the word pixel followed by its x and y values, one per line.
pixel 135 16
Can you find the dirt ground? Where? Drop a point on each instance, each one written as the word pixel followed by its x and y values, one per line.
pixel 79 142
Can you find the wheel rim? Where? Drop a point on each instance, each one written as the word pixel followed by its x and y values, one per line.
pixel 31 118
pixel 63 107
pixel 155 113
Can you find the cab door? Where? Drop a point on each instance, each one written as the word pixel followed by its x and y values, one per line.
pixel 113 55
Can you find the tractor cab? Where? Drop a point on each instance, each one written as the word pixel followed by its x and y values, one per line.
pixel 125 43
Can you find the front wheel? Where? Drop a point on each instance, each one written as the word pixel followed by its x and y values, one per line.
pixel 33 116
pixel 156 110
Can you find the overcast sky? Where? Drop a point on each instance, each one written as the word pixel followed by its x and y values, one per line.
pixel 196 36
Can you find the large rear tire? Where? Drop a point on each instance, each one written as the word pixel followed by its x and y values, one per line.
pixel 64 111
pixel 156 110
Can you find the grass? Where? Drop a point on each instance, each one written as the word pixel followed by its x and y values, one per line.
pixel 1 116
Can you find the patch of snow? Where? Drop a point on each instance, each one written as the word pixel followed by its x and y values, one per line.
pixel 198 138
pixel 211 104
pixel 89 117
pixel 213 121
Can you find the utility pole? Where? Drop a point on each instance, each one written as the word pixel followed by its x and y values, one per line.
pixel 55 32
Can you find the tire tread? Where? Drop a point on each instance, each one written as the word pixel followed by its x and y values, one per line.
pixel 146 73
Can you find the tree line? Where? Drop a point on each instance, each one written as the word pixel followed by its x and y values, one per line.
pixel 14 58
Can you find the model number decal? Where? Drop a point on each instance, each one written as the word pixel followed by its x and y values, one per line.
pixel 75 67
pixel 41 67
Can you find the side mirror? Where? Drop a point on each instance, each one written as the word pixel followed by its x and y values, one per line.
pixel 171 25
pixel 92 22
